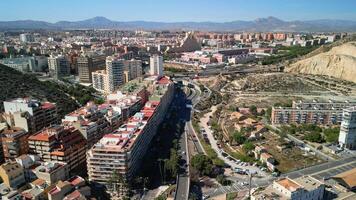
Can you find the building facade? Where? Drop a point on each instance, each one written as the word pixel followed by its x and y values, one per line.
pixel 58 66
pixel 156 65
pixel 115 73
pixel 87 64
pixel 14 143
pixel 347 137
pixel 311 112
pixel 59 143
pixel 122 150
pixel 30 114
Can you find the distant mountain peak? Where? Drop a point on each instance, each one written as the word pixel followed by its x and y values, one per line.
pixel 261 24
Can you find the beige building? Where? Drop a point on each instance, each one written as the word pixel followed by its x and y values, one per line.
pixel 88 63
pixel 52 172
pixel 12 174
pixel 302 188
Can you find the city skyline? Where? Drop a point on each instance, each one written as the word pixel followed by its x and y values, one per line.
pixel 161 11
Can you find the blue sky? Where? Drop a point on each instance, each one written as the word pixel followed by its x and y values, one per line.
pixel 176 10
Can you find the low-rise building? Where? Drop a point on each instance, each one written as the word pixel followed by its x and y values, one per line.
pixel 73 188
pixel 52 171
pixel 12 174
pixel 302 188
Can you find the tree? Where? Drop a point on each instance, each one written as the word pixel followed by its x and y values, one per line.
pixel 248 146
pixel 332 135
pixel 253 110
pixel 222 180
pixel 314 137
pixel 172 163
pixel 202 164
pixel 239 138
pixel 118 183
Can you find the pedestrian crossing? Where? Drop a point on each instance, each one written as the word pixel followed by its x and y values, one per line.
pixel 236 187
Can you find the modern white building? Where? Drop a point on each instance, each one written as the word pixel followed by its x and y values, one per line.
pixel 25 37
pixel 99 80
pixel 114 71
pixel 347 137
pixel 156 65
pixel 58 66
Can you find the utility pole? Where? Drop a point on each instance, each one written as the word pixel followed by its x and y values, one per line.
pixel 250 181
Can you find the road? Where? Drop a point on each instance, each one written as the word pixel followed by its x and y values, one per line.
pixel 183 178
pixel 204 123
pixel 183 181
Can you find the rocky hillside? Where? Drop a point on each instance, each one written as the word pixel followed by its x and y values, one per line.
pixel 14 84
pixel 338 62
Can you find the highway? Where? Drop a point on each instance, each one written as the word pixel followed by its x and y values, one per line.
pixel 183 179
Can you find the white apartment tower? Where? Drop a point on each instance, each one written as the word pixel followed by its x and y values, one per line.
pixel 156 65
pixel 114 71
pixel 347 137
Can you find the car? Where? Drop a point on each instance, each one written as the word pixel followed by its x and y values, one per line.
pixel 224 154
pixel 205 196
pixel 183 152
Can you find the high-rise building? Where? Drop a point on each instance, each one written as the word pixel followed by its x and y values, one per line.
pixel 59 143
pixel 133 69
pixel 58 66
pixel 100 80
pixel 156 65
pixel 347 137
pixel 114 71
pixel 87 64
pixel 14 143
pixel 29 114
pixel 26 37
pixel 123 149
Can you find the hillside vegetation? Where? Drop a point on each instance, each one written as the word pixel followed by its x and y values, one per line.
pixel 14 84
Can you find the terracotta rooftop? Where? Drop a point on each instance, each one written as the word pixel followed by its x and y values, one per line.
pixel 289 184
pixel 347 178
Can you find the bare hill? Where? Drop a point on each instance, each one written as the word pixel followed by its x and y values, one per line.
pixel 338 62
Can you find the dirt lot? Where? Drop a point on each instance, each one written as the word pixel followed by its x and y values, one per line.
pixel 290 158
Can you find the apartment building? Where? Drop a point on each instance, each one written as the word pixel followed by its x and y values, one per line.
pixel 310 112
pixel 123 149
pixel 114 71
pixel 133 69
pixel 112 78
pixel 14 143
pixel 347 137
pixel 30 114
pixel 59 143
pixel 58 66
pixel 88 63
pixel 156 65
pixel 99 79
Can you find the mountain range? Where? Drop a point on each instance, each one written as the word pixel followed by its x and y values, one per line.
pixel 260 24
